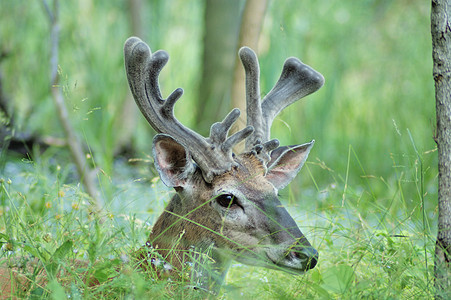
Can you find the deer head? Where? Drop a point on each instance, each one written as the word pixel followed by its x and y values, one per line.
pixel 225 204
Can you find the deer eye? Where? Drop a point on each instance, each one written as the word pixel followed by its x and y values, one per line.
pixel 226 200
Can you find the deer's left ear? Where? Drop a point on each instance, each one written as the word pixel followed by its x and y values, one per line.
pixel 172 161
pixel 286 162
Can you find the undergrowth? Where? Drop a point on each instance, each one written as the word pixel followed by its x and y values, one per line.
pixel 371 245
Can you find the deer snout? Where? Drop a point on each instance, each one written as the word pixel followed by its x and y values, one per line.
pixel 307 256
pixel 294 259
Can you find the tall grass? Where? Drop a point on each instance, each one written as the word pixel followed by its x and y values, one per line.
pixel 366 249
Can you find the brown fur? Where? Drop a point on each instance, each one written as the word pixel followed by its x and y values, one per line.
pixel 184 221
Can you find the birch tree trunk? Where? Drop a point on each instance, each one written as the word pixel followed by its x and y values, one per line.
pixel 441 53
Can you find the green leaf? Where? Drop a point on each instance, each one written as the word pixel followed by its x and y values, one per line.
pixel 316 275
pixel 322 293
pixel 58 255
pixel 92 252
pixel 63 250
pixel 37 293
pixel 4 236
pixel 338 279
pixel 106 270
pixel 32 250
pixel 56 290
pixel 101 275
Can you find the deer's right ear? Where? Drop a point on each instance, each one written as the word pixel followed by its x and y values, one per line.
pixel 286 162
pixel 172 161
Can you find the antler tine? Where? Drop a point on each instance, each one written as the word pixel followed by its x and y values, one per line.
pixel 142 73
pixel 296 81
pixel 253 108
pixel 259 141
pixel 214 154
pixel 219 131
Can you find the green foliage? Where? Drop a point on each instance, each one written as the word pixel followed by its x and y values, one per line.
pixel 365 199
pixel 366 250
pixel 375 56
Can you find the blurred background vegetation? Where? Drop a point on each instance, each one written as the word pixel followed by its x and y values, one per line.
pixel 373 121
pixel 374 54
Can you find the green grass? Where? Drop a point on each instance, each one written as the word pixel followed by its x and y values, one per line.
pixel 367 250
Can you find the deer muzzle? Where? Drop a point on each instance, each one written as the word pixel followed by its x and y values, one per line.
pixel 293 259
pixel 291 250
pixel 305 257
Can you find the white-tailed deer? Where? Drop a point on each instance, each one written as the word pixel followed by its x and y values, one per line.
pixel 226 205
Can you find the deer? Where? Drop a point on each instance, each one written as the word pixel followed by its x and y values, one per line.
pixel 226 204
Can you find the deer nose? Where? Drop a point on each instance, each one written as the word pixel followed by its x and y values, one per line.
pixel 307 255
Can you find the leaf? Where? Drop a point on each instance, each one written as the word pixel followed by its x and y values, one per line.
pixel 315 285
pixel 31 250
pixel 58 255
pixel 338 279
pixel 322 293
pixel 92 252
pixel 4 236
pixel 62 250
pixel 106 270
pixel 37 293
pixel 101 275
pixel 316 275
pixel 56 290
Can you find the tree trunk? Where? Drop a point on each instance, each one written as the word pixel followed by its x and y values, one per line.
pixel 441 52
pixel 251 25
pixel 129 111
pixel 222 20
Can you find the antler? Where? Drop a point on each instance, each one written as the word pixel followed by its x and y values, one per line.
pixel 296 81
pixel 213 154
